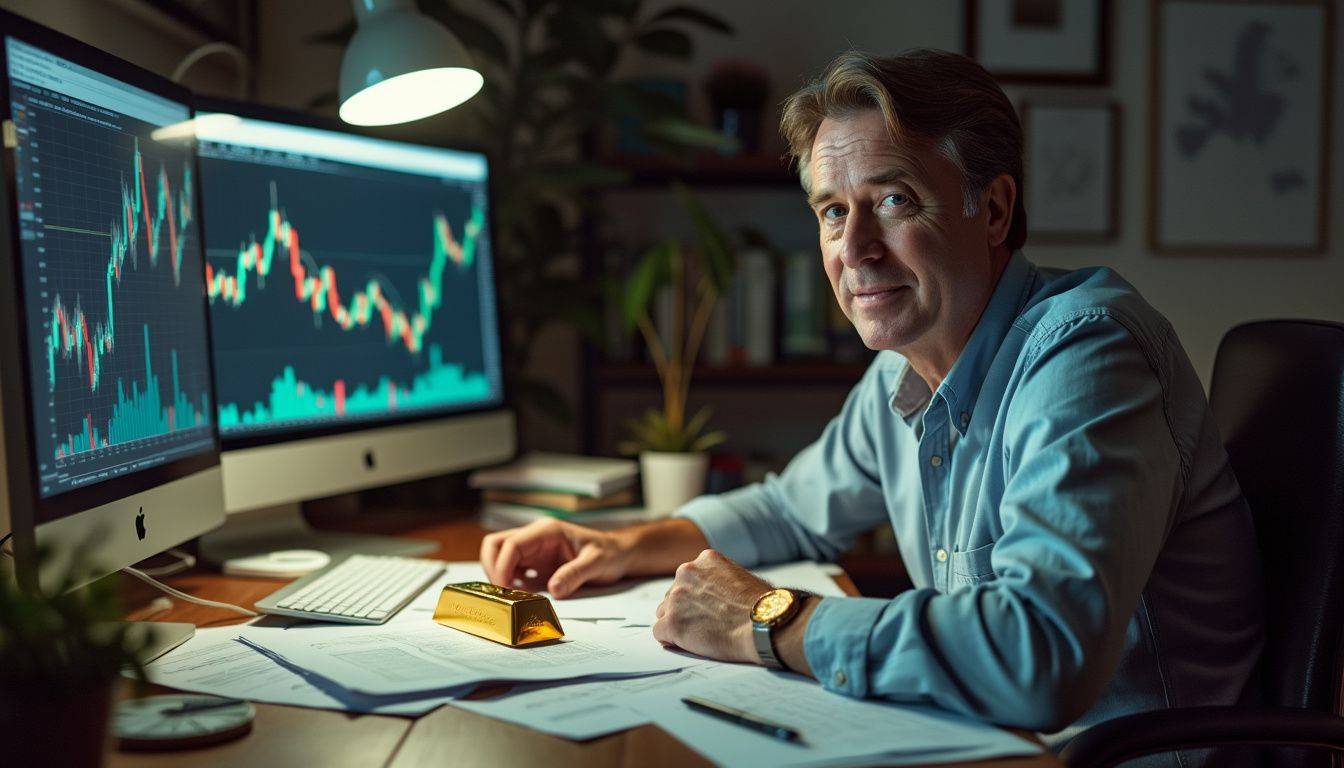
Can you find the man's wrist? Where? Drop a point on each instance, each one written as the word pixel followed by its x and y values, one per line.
pixel 788 639
pixel 656 549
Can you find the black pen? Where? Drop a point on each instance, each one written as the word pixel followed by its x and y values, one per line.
pixel 739 717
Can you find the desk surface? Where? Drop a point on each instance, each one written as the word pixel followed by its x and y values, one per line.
pixel 283 735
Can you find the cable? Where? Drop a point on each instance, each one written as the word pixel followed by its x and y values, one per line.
pixel 233 51
pixel 179 594
pixel 185 562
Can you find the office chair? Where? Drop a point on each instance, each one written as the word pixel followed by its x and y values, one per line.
pixel 1278 399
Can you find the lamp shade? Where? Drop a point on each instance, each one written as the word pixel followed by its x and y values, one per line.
pixel 402 65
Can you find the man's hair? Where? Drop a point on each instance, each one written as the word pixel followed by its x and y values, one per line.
pixel 943 99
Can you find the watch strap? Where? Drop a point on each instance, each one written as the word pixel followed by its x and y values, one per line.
pixel 763 633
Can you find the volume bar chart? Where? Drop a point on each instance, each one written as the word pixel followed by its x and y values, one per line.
pixel 140 415
pixel 292 399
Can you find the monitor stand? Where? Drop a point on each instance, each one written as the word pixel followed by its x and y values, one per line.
pixel 277 543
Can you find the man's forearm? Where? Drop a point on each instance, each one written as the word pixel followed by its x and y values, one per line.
pixel 658 548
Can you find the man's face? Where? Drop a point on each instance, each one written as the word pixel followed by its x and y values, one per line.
pixel 909 269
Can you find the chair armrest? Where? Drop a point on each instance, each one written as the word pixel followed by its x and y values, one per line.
pixel 1124 738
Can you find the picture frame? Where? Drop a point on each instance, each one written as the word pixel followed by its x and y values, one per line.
pixel 1071 168
pixel 1239 126
pixel 1053 42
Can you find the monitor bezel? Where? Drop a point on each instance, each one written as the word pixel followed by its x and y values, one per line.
pixel 28 508
pixel 249 110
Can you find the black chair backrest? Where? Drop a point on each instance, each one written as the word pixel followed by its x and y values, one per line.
pixel 1278 397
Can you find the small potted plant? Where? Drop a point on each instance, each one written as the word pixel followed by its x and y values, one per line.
pixel 672 445
pixel 61 657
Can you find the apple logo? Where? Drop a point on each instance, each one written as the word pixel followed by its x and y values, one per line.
pixel 140 524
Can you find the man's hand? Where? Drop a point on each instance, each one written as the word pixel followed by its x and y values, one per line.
pixel 708 609
pixel 553 555
pixel 560 557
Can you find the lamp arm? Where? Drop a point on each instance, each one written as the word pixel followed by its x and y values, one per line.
pixel 209 49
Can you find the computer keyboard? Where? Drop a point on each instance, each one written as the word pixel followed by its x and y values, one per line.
pixel 362 589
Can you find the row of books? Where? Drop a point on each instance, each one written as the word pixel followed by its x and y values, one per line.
pixel 775 310
pixel 593 491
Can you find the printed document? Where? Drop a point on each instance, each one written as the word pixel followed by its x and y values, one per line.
pixel 836 730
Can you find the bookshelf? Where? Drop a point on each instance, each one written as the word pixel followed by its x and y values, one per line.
pixel 787 387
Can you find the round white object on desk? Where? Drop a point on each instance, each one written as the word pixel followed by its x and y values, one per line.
pixel 177 721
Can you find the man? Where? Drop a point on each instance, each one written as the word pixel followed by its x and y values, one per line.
pixel 1037 439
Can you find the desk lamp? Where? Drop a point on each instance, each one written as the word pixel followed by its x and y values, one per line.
pixel 401 66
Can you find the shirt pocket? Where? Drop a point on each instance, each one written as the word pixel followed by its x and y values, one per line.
pixel 972 567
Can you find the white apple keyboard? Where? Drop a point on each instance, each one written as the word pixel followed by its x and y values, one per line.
pixel 362 589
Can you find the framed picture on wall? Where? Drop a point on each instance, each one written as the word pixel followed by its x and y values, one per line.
pixel 1072 160
pixel 1239 126
pixel 1041 41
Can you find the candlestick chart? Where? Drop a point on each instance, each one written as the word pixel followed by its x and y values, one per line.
pixel 343 294
pixel 119 362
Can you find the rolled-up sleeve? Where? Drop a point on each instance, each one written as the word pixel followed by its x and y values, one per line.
pixel 1092 475
pixel 827 495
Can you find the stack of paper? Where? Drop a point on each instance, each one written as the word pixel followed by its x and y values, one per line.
pixel 609 674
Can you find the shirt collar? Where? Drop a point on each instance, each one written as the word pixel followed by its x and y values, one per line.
pixel 962 385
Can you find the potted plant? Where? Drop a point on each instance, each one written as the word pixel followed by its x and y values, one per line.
pixel 671 445
pixel 61 657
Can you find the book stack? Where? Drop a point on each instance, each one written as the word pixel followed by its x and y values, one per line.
pixel 593 491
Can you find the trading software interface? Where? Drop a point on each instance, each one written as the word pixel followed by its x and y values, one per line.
pixel 349 278
pixel 111 263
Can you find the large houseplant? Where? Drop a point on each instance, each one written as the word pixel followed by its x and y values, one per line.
pixel 550 83
pixel 671 444
pixel 61 656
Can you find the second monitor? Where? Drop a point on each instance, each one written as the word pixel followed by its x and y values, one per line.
pixel 353 319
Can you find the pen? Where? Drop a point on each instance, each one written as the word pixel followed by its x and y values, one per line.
pixel 187 709
pixel 739 717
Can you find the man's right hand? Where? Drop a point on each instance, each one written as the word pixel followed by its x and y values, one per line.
pixel 560 557
pixel 563 556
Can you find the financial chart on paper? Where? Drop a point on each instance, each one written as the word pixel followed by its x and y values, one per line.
pixel 349 279
pixel 117 346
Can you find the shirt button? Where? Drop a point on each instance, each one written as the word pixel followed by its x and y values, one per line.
pixel 841 678
pixel 936 461
pixel 965 418
pixel 941 554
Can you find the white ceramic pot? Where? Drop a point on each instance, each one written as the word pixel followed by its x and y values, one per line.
pixel 671 479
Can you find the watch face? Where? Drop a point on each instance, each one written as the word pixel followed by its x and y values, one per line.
pixel 772 605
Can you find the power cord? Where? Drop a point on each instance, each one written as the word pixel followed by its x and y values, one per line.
pixel 179 594
pixel 185 562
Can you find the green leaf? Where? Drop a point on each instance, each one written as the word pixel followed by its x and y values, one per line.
pixel 694 16
pixel 720 258
pixel 475 34
pixel 707 441
pixel 652 272
pixel 506 7
pixel 672 43
pixel 698 422
pixel 687 134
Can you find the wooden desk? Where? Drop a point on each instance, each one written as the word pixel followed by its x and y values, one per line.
pixel 297 736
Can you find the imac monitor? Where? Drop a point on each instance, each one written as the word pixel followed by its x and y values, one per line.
pixel 109 417
pixel 352 302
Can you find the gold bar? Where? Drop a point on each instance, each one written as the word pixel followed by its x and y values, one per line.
pixel 508 616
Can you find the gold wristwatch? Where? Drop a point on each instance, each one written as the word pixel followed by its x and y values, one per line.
pixel 772 610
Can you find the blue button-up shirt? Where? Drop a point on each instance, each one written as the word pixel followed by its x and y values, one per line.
pixel 1078 544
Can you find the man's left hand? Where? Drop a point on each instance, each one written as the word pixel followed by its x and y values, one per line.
pixel 708 609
